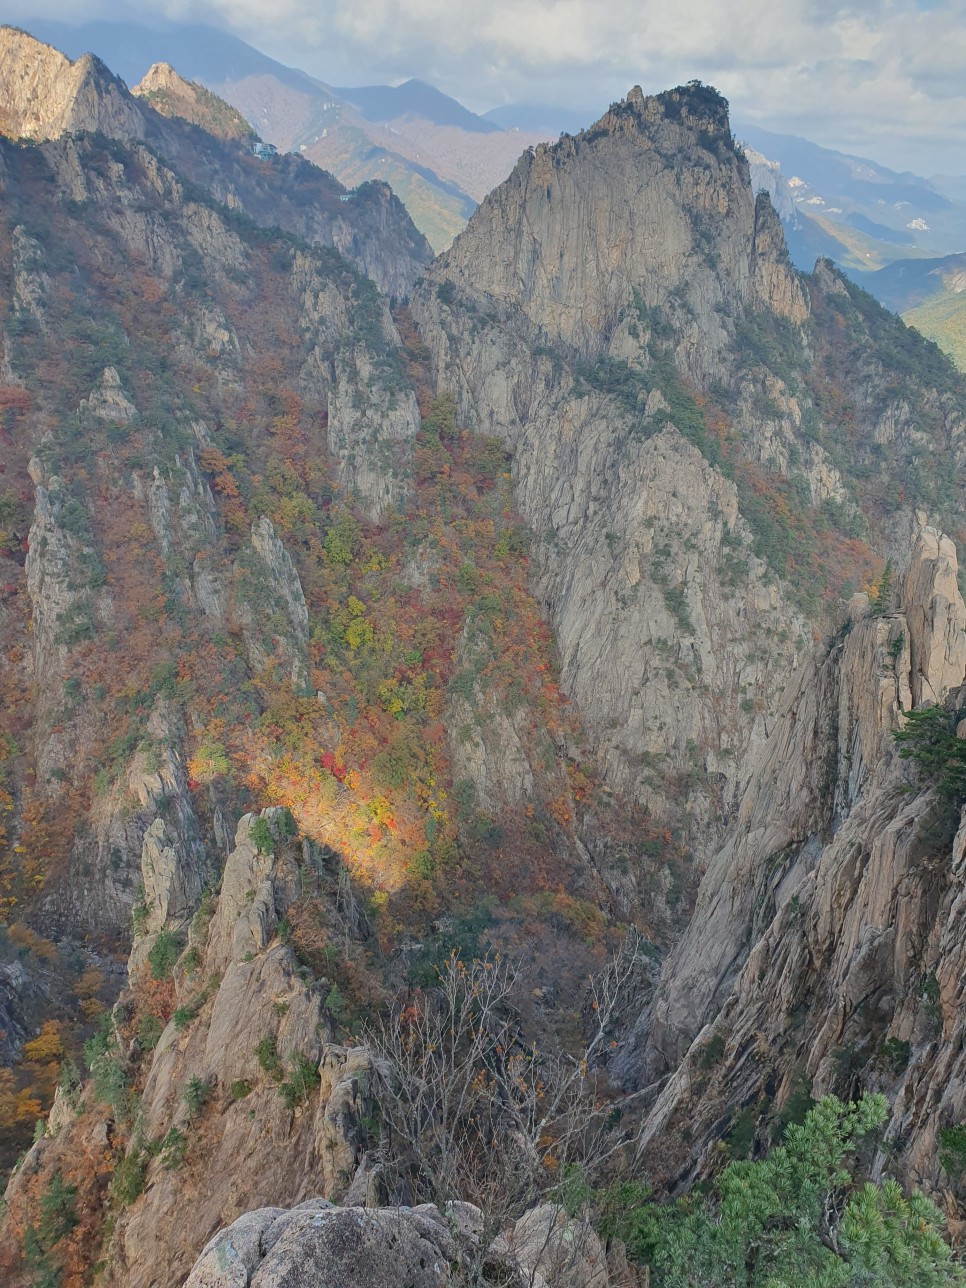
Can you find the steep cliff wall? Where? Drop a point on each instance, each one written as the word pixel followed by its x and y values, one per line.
pixel 825 949
pixel 46 95
pixel 689 447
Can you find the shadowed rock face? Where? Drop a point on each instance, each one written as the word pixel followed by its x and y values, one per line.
pixel 246 989
pixel 820 923
pixel 44 95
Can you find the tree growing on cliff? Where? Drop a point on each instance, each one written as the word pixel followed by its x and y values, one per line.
pixel 800 1216
pixel 928 736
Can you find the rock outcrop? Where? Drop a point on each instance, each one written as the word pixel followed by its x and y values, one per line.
pixel 422 1247
pixel 825 951
pixel 171 95
pixel 239 570
pixel 332 1247
pixel 578 263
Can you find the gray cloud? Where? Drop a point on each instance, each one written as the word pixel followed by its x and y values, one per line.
pixel 882 77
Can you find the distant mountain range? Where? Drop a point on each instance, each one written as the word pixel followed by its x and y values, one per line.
pixel 898 235
pixel 860 213
pixel 931 296
pixel 441 158
pixel 416 98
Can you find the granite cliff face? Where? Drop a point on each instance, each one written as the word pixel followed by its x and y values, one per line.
pixel 422 1246
pixel 245 560
pixel 45 96
pixel 825 952
pixel 574 263
pixel 622 312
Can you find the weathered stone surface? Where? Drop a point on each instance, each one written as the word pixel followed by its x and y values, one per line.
pixel 282 574
pixel 370 431
pixel 821 922
pixel 332 1248
pixel 423 1247
pixel 486 744
pixel 345 1099
pixel 553 1251
pixel 172 95
pixel 936 618
pixel 247 993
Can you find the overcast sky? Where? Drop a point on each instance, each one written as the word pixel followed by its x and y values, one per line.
pixel 883 78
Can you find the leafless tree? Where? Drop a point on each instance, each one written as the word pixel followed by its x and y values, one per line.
pixel 470 1112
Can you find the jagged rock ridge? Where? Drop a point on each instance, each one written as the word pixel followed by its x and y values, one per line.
pixel 135 211
pixel 45 95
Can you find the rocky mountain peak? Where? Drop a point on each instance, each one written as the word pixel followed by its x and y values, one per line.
pixel 163 77
pixel 694 106
pixel 44 95
pixel 171 95
pixel 652 204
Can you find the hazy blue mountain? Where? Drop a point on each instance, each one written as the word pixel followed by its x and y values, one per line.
pixel 886 208
pixel 895 236
pixel 415 98
pixel 908 283
pixel 198 52
pixel 952 185
pixel 538 118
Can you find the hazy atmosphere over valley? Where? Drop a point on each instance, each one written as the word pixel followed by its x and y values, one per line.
pixel 482 644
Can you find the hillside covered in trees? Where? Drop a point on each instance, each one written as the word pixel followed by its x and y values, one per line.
pixel 455 738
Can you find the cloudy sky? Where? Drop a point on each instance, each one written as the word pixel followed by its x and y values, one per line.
pixel 883 78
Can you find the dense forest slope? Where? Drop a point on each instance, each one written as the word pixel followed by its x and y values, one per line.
pixel 342 638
